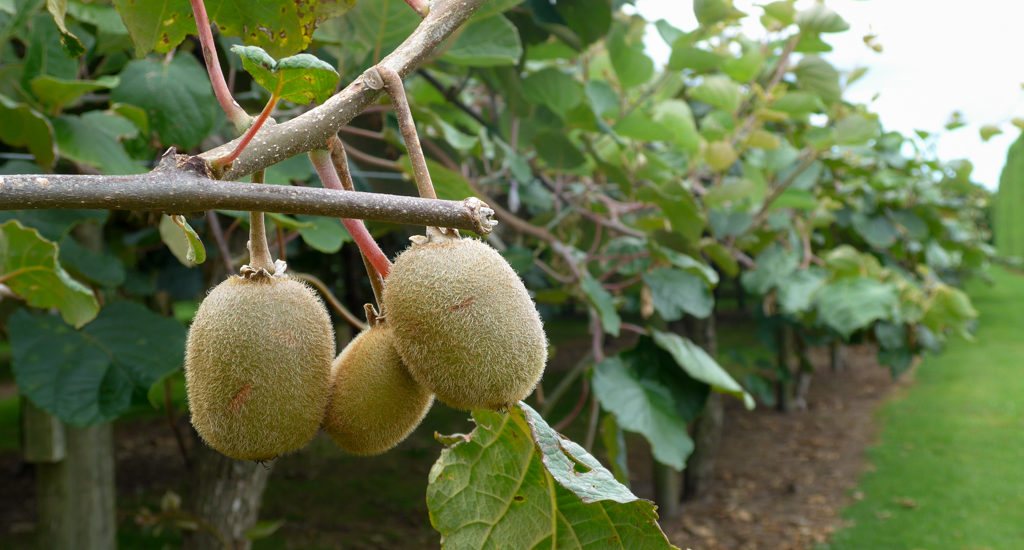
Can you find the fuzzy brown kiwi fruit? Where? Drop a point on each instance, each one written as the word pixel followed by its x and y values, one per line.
pixel 375 403
pixel 464 323
pixel 257 366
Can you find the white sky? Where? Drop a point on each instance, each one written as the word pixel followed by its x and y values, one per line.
pixel 939 56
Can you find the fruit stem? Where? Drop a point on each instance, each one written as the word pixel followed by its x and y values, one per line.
pixel 340 161
pixel 422 7
pixel 321 159
pixel 393 85
pixel 259 252
pixel 235 113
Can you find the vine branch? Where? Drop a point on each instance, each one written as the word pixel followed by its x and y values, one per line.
pixel 179 190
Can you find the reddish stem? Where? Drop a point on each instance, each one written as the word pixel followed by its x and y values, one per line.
pixel 422 7
pixel 249 134
pixel 329 177
pixel 235 113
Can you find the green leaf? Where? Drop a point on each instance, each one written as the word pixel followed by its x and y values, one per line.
pixel 448 185
pixel 589 19
pixel 814 74
pixel 601 299
pixel 614 441
pixel 53 224
pixel 631 64
pixel 746 67
pixel 857 129
pixel 709 12
pixel 677 293
pixel 182 240
pixel 176 96
pixel 781 10
pixel 851 304
pixel 156 25
pixel 639 126
pixel 719 91
pixel 686 263
pixel 988 131
pixel 24 127
pixel 820 19
pixel 79 140
pixel 44 54
pixel 799 103
pixel 685 56
pixel 324 234
pixel 558 151
pixel 773 266
pixel 515 483
pixel 643 406
pixel 554 89
pixel 681 210
pixel 701 366
pixel 102 268
pixel 722 256
pixel 29 267
pixel 486 42
pixel 87 376
pixel 798 291
pixel 301 78
pixel 676 115
pixel 72 45
pixel 379 26
pixel 877 230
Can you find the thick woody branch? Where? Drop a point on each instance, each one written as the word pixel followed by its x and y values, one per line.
pixel 181 191
pixel 311 130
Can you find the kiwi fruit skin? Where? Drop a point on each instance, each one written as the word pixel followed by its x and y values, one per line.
pixel 375 403
pixel 464 324
pixel 257 366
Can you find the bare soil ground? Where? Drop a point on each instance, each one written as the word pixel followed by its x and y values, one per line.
pixel 782 479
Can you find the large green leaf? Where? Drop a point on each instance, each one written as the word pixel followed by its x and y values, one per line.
pixel 558 151
pixel 719 91
pixel 554 89
pixel 448 184
pixel 301 78
pixel 701 366
pixel 680 208
pixel 57 92
pixel 486 42
pixel 515 483
pixel 176 96
pixel 101 268
pixel 773 266
pixel 44 54
pixel 324 234
pixel 851 304
pixel 24 127
pixel 820 19
pixel 601 299
pixel 677 292
pixel 677 116
pixel 378 26
pixel 857 129
pixel 79 140
pixel 643 406
pixel 281 27
pixel 814 74
pixel 54 224
pixel 631 64
pixel 798 291
pixel 686 56
pixel 87 376
pixel 877 230
pixel 72 45
pixel 29 267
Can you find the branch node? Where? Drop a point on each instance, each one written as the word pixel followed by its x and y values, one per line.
pixel 481 214
pixel 373 79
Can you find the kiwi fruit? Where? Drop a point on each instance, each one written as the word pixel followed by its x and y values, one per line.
pixel 464 323
pixel 375 403
pixel 257 366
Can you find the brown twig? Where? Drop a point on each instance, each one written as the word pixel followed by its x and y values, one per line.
pixel 388 79
pixel 220 240
pixel 331 299
pixel 232 109
pixel 259 252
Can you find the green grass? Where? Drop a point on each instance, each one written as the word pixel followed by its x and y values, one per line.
pixel 949 471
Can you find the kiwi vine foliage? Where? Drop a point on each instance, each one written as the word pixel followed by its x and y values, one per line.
pixel 627 192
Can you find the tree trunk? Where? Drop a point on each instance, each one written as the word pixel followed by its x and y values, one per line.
pixel 787 366
pixel 707 429
pixel 667 484
pixel 837 355
pixel 76 494
pixel 226 495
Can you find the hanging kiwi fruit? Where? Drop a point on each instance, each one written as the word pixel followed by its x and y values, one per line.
pixel 464 323
pixel 375 403
pixel 258 359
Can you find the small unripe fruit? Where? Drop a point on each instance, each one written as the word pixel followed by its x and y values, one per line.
pixel 464 323
pixel 257 366
pixel 375 403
